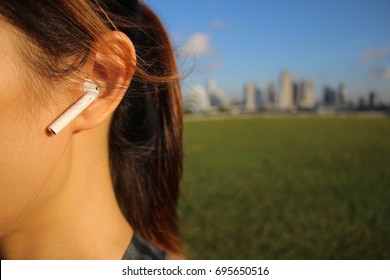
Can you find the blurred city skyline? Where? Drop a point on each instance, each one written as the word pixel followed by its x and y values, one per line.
pixel 328 42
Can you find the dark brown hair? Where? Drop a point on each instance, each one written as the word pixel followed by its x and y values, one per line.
pixel 145 144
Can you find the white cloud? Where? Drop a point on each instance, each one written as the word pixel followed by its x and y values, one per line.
pixel 197 45
pixel 373 54
pixel 210 67
pixel 386 74
pixel 218 23
pixel 381 73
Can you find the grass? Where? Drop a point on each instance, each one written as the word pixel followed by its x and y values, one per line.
pixel 287 188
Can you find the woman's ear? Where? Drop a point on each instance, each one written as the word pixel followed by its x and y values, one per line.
pixel 111 65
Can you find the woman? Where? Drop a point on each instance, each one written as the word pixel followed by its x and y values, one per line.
pixel 109 181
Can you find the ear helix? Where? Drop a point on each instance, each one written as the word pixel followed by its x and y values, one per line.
pixel 91 93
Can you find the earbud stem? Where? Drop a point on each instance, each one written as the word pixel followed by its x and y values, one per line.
pixel 91 93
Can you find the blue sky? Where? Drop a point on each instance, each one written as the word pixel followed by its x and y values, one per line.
pixel 329 42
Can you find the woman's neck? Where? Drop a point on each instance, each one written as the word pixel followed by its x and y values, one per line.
pixel 80 221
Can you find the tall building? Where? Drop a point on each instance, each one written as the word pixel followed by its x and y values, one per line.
pixel 307 99
pixel 258 97
pixel 373 100
pixel 215 93
pixel 329 96
pixel 198 100
pixel 285 92
pixel 297 92
pixel 250 97
pixel 341 95
pixel 362 103
pixel 269 97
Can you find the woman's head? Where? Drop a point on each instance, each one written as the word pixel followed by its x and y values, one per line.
pixel 48 48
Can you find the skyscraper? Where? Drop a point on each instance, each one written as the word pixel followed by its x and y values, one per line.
pixel 297 92
pixel 307 97
pixel 341 96
pixel 329 96
pixel 215 93
pixel 285 92
pixel 373 100
pixel 198 100
pixel 250 97
pixel 269 97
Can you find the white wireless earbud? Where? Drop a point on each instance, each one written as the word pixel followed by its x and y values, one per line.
pixel 91 92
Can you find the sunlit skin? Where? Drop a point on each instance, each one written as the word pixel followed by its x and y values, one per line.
pixel 56 194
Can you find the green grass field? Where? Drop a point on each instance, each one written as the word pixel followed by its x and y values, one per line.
pixel 287 188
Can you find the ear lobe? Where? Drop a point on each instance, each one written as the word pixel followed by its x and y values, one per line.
pixel 112 65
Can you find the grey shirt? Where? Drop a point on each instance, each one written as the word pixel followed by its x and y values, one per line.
pixel 141 249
